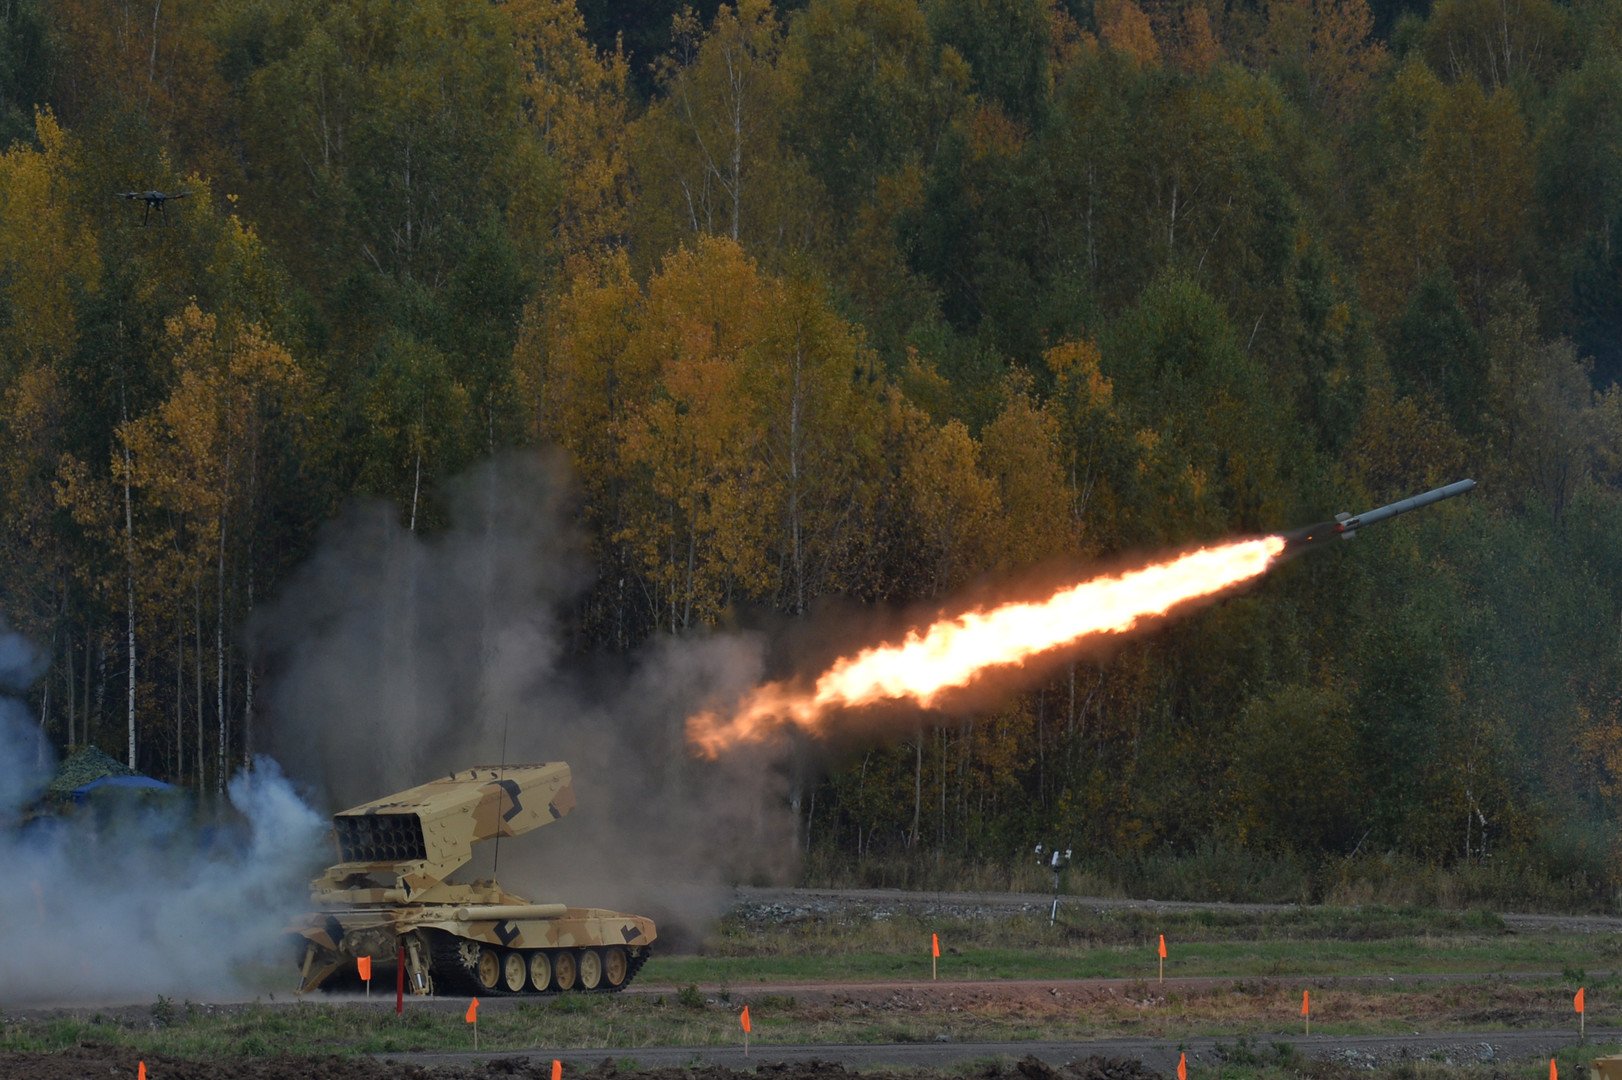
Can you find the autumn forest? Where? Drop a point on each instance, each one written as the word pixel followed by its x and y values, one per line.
pixel 867 305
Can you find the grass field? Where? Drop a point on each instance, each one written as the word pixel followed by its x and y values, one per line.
pixel 1308 942
pixel 1321 947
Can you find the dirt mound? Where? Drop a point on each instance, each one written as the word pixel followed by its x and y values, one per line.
pixel 1096 1068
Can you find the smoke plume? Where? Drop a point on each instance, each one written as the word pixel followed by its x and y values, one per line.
pixel 133 898
pixel 394 658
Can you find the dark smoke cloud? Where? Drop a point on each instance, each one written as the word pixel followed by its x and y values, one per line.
pixel 394 658
pixel 130 900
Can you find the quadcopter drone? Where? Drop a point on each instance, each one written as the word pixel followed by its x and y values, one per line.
pixel 154 200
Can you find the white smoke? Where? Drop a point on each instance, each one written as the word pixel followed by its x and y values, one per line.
pixel 130 898
pixel 394 658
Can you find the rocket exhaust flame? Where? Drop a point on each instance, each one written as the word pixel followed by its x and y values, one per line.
pixel 951 653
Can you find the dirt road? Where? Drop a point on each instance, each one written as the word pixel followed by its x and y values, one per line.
pixel 968 903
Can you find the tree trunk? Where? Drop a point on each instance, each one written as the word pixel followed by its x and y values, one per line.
pixel 44 715
pixel 810 819
pixel 152 60
pixel 917 789
pixel 735 73
pixel 180 695
pixel 247 677
pixel 416 489
pixel 219 662
pixel 73 699
pixel 796 544
pixel 84 729
pixel 197 660
pixel 129 575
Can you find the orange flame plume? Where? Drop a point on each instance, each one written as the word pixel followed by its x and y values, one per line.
pixel 951 653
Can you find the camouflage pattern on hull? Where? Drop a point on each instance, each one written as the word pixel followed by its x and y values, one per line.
pixel 389 895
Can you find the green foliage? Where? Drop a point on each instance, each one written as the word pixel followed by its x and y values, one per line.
pixel 1437 351
pixel 1007 45
pixel 25 61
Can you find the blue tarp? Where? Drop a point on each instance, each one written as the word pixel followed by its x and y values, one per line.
pixel 137 783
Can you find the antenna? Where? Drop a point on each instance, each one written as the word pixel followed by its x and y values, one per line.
pixel 501 774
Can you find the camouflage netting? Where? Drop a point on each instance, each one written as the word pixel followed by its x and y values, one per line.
pixel 81 767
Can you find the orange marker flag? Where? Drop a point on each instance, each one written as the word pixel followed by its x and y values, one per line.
pixel 1306 1008
pixel 1577 1002
pixel 935 944
pixel 557 1069
pixel 1582 1018
pixel 934 956
pixel 140 1070
pixel 743 1019
pixel 472 1011
pixel 1554 1073
pixel 1182 1067
pixel 1162 946
pixel 363 964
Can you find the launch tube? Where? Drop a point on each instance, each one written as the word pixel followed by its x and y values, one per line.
pixel 478 912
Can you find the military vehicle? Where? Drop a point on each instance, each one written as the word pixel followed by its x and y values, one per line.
pixel 388 897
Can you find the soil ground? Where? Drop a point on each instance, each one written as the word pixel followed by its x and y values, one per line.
pixel 1320 1057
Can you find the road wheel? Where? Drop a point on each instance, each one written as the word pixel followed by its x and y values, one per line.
pixel 615 965
pixel 540 971
pixel 514 970
pixel 488 969
pixel 563 970
pixel 591 969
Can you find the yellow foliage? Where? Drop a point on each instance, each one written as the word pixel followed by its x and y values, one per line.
pixel 1022 455
pixel 577 102
pixel 992 134
pixel 1124 27
pixel 716 413
pixel 1068 42
pixel 954 505
pixel 1076 366
pixel 195 454
pixel 38 230
pixel 1330 42
pixel 1197 48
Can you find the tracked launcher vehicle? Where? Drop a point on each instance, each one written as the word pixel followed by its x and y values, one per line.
pixel 388 896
